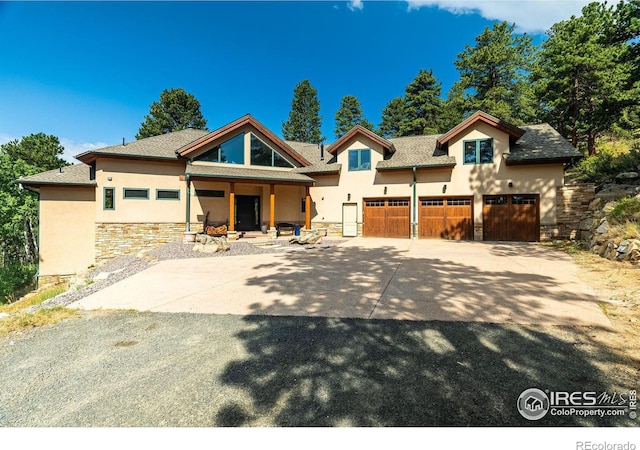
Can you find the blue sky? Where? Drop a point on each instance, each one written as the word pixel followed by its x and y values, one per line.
pixel 88 71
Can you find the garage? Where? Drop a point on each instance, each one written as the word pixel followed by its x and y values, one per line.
pixel 386 217
pixel 511 217
pixel 446 218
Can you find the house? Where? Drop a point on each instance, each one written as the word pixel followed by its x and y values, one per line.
pixel 483 180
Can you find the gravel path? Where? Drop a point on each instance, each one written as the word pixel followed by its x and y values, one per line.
pixel 125 266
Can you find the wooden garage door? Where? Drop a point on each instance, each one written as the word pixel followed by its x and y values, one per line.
pixel 386 218
pixel 446 218
pixel 511 218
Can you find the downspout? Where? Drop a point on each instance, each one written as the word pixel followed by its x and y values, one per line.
pixel 415 204
pixel 188 217
pixel 38 241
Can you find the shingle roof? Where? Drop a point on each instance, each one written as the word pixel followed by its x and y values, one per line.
pixel 157 147
pixel 311 153
pixel 246 173
pixel 418 151
pixel 76 175
pixel 541 143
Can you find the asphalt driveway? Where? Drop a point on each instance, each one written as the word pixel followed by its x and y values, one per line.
pixel 518 283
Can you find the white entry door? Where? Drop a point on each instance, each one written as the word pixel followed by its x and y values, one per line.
pixel 350 219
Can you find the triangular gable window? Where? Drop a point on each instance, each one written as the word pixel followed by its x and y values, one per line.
pixel 263 155
pixel 229 152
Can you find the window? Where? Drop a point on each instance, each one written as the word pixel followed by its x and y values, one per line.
pixel 209 193
pixel 167 194
pixel 109 200
pixel 138 194
pixel 360 159
pixel 263 155
pixel 229 152
pixel 479 151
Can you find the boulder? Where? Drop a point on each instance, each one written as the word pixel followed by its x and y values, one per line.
pixel 627 176
pixel 312 237
pixel 603 227
pixel 586 224
pixel 210 244
pixel 595 204
pixel 616 192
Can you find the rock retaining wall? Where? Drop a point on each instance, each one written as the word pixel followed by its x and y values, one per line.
pixel 572 207
pixel 115 239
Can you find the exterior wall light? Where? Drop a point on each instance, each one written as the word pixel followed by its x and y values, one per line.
pixel 444 188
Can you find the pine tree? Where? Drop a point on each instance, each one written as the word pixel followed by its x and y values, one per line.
pixel 349 115
pixel 495 74
pixel 423 106
pixel 176 110
pixel 454 107
pixel 585 75
pixel 393 115
pixel 304 118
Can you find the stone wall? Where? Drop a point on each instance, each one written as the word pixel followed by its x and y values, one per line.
pixel 115 239
pixel 572 207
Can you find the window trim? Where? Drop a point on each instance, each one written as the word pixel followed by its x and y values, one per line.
pixel 168 190
pixel 477 142
pixel 198 193
pixel 124 195
pixel 104 198
pixel 359 151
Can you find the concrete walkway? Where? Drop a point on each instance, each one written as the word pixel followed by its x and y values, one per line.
pixel 371 278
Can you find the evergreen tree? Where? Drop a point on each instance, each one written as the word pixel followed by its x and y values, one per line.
pixel 393 115
pixel 454 107
pixel 176 110
pixel 586 73
pixel 423 106
pixel 349 115
pixel 494 74
pixel 304 118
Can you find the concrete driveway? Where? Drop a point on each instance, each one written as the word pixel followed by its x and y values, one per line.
pixel 371 278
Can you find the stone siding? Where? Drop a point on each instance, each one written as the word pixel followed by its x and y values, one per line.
pixel 115 239
pixel 572 206
pixel 334 228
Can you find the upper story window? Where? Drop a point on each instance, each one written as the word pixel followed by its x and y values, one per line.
pixel 479 151
pixel 360 159
pixel 229 152
pixel 263 155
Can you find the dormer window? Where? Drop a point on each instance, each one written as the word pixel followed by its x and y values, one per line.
pixel 360 159
pixel 479 151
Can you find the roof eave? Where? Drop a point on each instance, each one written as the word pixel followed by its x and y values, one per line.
pixel 418 166
pixel 361 130
pixel 532 161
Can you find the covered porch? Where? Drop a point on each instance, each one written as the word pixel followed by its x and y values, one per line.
pixel 247 200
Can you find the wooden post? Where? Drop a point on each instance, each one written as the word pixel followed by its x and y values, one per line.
pixel 272 210
pixel 307 209
pixel 232 210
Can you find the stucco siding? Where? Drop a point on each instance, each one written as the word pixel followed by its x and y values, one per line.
pixel 138 174
pixel 67 236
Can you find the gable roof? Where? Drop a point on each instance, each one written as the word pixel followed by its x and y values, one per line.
pixel 416 151
pixel 226 130
pixel 156 147
pixel 358 129
pixel 243 173
pixel 480 116
pixel 76 175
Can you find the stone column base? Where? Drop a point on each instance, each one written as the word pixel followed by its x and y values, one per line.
pixel 232 235
pixel 272 233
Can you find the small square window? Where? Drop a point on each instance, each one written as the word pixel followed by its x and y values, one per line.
pixel 479 151
pixel 360 159
pixel 109 200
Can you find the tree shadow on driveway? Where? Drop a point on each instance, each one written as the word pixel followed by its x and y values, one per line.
pixel 332 371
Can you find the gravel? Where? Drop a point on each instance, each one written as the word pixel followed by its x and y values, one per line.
pixel 117 269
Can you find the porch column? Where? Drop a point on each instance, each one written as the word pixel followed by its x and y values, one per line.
pixel 307 209
pixel 232 198
pixel 272 209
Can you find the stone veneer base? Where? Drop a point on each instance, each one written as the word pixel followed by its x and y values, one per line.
pixel 116 239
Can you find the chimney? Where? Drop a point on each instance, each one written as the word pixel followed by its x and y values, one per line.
pixel 321 152
pixel 123 143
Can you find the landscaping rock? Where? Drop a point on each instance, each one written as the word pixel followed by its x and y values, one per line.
pixel 312 237
pixel 586 224
pixel 627 176
pixel 616 192
pixel 603 227
pixel 595 204
pixel 210 244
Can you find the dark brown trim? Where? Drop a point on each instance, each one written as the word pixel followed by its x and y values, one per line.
pixel 227 179
pixel 511 130
pixel 529 162
pixel 360 130
pixel 235 126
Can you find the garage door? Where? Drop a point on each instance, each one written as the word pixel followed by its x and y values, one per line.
pixel 386 218
pixel 446 218
pixel 511 218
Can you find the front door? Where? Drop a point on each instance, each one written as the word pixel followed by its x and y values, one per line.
pixel 247 212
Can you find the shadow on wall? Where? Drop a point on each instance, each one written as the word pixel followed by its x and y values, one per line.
pixel 303 371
